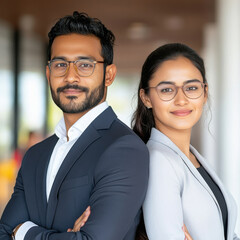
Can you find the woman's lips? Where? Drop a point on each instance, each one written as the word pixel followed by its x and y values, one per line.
pixel 181 113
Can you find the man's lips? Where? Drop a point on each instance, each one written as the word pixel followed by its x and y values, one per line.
pixel 181 113
pixel 72 91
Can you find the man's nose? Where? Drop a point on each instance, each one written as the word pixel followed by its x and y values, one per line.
pixel 71 74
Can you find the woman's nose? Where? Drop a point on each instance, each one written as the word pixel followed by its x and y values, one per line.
pixel 180 98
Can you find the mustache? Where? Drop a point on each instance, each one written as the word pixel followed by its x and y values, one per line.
pixel 71 86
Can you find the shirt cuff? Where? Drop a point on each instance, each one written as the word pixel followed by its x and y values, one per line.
pixel 21 232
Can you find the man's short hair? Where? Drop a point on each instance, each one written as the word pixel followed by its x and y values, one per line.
pixel 81 23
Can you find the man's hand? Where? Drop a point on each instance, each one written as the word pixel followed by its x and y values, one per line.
pixel 80 221
pixel 15 230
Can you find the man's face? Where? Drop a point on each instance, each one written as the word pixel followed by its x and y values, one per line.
pixel 70 92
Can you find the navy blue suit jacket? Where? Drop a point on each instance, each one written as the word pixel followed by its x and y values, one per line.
pixel 107 168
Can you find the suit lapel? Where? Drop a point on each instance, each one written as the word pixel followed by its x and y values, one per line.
pixel 199 177
pixel 90 135
pixel 196 174
pixel 226 195
pixel 167 142
pixel 41 178
pixel 213 176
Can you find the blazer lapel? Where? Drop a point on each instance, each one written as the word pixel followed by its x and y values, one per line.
pixel 167 142
pixel 215 178
pixel 196 174
pixel 227 196
pixel 41 178
pixel 90 135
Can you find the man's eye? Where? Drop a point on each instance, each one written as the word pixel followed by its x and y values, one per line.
pixel 60 65
pixel 86 65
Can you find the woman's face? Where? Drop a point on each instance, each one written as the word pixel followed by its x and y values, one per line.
pixel 181 112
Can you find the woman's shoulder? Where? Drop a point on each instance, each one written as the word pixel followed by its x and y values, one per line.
pixel 166 167
pixel 164 159
pixel 161 151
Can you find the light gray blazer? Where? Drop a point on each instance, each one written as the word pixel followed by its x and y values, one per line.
pixel 178 194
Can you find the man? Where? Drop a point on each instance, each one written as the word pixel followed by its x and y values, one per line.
pixel 93 159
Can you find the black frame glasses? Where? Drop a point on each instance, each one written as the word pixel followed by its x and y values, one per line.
pixel 192 89
pixel 83 66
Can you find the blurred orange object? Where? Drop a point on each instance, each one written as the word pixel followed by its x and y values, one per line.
pixel 8 170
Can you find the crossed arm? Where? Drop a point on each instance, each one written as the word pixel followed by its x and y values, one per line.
pixel 80 222
pixel 115 199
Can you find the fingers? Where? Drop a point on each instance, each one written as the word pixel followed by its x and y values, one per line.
pixel 187 235
pixel 81 220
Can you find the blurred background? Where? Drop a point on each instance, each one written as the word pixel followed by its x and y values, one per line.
pixel 211 27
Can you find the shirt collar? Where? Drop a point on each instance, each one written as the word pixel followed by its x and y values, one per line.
pixel 80 125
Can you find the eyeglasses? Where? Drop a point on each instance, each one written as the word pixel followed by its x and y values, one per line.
pixel 192 89
pixel 84 67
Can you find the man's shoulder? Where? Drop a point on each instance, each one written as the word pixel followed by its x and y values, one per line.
pixel 47 143
pixel 120 130
pixel 108 120
pixel 122 126
pixel 51 139
pixel 123 138
pixel 38 150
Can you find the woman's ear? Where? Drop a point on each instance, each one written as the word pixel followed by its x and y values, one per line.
pixel 145 98
pixel 110 74
pixel 205 93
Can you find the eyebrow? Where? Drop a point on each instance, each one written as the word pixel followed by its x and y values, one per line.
pixel 173 83
pixel 192 80
pixel 78 58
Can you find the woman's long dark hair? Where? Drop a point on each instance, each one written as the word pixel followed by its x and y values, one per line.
pixel 143 120
pixel 141 231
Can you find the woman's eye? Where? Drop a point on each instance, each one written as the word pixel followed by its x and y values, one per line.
pixel 166 90
pixel 192 88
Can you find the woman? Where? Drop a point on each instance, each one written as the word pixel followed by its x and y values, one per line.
pixel 183 189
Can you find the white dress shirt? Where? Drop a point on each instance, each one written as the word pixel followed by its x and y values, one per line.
pixel 60 151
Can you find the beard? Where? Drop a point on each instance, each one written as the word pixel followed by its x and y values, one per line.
pixel 74 106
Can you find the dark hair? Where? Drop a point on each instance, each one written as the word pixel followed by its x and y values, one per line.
pixel 141 233
pixel 81 23
pixel 143 121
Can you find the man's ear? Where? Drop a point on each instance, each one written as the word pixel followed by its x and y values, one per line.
pixel 145 98
pixel 48 74
pixel 110 74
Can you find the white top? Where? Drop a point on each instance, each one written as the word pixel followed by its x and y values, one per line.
pixel 60 151
pixel 178 194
